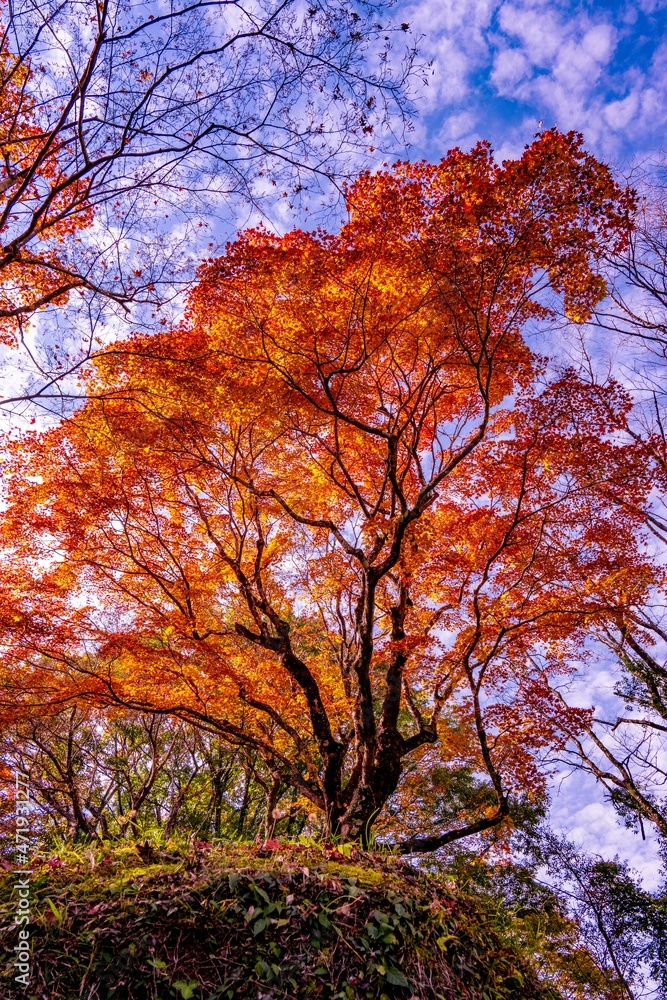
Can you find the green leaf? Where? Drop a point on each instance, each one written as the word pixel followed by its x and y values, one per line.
pixel 55 911
pixel 157 963
pixel 442 941
pixel 396 978
pixel 187 990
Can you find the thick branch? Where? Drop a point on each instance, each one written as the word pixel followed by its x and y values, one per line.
pixel 419 845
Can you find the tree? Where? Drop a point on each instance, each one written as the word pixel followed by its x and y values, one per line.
pixel 340 516
pixel 626 754
pixel 105 775
pixel 625 751
pixel 587 921
pixel 33 270
pixel 121 126
pixel 638 300
pixel 621 924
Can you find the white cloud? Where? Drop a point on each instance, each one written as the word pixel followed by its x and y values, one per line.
pixel 573 81
pixel 619 114
pixel 553 62
pixel 452 66
pixel 537 27
pixel 510 66
pixel 563 63
pixel 600 42
pixel 578 811
pixel 459 129
pixel 651 6
pixel 453 35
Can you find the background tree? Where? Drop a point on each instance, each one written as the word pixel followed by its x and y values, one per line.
pixel 104 776
pixel 622 925
pixel 625 750
pixel 124 128
pixel 586 918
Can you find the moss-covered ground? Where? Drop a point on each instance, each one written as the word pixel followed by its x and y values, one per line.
pixel 251 922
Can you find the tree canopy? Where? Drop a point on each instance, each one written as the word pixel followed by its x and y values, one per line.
pixel 343 515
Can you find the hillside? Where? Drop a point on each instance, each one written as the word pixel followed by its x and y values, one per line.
pixel 287 921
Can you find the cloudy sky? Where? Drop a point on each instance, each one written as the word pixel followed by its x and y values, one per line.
pixel 500 71
pixel 500 68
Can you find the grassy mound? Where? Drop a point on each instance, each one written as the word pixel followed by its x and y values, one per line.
pixel 247 922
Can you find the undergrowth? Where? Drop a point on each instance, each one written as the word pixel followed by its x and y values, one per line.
pixel 246 922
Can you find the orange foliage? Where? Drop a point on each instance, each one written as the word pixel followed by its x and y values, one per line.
pixel 341 515
pixel 41 204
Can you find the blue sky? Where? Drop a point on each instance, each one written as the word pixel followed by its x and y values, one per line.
pixel 499 68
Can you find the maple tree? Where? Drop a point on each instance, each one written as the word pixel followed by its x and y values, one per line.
pixel 343 516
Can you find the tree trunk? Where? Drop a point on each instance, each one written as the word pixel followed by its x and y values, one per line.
pixel 271 819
